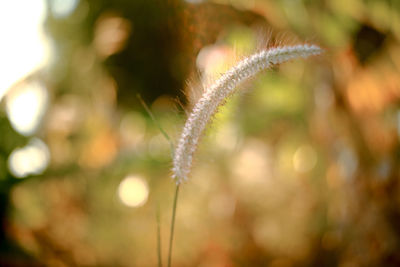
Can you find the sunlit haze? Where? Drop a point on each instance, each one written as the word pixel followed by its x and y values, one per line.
pixel 24 47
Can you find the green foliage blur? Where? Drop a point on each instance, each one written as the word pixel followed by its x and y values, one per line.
pixel 300 169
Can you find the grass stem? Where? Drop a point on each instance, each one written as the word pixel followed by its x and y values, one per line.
pixel 158 236
pixel 171 237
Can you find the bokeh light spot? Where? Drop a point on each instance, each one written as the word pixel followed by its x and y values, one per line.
pixel 29 160
pixel 63 8
pixel 111 34
pixel 25 107
pixel 304 158
pixel 133 191
pixel 252 165
pixel 214 59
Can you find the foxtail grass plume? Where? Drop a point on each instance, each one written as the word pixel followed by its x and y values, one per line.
pixel 217 93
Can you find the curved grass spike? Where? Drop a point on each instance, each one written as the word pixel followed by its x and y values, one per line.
pixel 217 93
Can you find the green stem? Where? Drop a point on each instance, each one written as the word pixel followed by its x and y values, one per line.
pixel 158 236
pixel 171 237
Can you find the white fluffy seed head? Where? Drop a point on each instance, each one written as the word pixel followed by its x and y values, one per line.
pixel 215 95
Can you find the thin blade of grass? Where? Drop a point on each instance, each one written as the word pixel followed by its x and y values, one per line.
pixel 157 124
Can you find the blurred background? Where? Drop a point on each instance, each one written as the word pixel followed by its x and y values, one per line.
pixel 300 169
